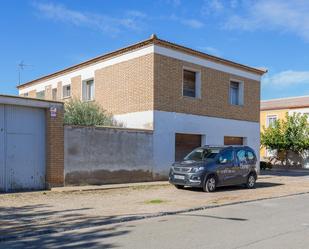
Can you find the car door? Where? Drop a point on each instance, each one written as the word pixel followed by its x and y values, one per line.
pixel 242 165
pixel 226 167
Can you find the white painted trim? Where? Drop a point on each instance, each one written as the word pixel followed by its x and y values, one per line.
pixel 270 115
pixel 89 71
pixel 205 63
pixel 241 91
pixel 198 82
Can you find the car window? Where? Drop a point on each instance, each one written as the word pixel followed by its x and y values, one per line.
pixel 241 156
pixel 250 156
pixel 226 156
pixel 200 154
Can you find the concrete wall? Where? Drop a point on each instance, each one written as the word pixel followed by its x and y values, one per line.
pixel 107 155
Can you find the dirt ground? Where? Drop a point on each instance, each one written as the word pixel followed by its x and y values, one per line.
pixel 48 211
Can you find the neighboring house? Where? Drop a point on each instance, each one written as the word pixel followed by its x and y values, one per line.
pixel 188 98
pixel 276 109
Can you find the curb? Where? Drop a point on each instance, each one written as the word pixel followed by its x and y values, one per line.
pixel 140 217
pixel 106 187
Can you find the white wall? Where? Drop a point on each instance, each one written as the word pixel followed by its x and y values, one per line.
pixel 137 120
pixel 166 124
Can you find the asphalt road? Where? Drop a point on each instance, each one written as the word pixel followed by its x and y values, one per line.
pixel 277 223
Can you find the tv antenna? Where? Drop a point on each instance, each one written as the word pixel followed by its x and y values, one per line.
pixel 21 67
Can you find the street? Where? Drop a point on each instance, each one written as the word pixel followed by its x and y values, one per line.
pixel 275 223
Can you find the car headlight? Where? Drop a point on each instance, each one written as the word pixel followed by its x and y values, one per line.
pixel 197 169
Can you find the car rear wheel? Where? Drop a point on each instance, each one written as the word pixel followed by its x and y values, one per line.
pixel 251 181
pixel 210 184
pixel 179 186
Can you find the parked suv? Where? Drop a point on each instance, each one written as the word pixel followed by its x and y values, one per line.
pixel 210 167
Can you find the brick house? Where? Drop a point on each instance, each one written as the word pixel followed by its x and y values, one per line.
pixel 188 98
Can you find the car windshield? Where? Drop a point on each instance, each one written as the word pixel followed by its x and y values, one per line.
pixel 200 154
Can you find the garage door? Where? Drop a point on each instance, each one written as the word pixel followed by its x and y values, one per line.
pixel 23 148
pixel 185 143
pixel 233 140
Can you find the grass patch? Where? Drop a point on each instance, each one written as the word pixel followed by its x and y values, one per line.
pixel 154 201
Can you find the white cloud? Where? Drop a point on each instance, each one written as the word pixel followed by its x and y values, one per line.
pixel 285 16
pixel 287 78
pixel 132 20
pixel 193 23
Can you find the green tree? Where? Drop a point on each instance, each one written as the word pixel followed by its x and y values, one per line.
pixel 290 134
pixel 77 112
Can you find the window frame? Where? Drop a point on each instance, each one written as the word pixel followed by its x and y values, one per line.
pixel 83 86
pixel 241 92
pixel 53 89
pixel 198 84
pixel 39 92
pixel 267 118
pixel 68 96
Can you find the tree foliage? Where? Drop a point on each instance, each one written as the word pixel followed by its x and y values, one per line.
pixel 87 114
pixel 290 134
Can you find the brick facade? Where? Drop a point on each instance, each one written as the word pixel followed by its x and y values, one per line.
pixel 127 86
pixel 54 149
pixel 214 101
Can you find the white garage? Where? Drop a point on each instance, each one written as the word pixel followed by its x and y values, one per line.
pixel 23 146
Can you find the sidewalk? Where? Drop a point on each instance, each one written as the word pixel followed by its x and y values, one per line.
pixel 108 186
pixel 69 208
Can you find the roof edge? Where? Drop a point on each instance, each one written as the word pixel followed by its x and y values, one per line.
pixel 152 40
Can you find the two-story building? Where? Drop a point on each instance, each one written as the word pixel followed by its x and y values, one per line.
pixel 188 98
pixel 275 109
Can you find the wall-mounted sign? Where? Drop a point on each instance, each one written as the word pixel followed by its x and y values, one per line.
pixel 53 112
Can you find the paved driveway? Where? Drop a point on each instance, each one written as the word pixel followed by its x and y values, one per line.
pixel 29 214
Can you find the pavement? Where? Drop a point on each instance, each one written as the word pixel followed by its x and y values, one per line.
pixel 52 213
pixel 274 223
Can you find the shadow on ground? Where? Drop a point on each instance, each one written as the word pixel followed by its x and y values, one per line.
pixel 34 226
pixel 239 187
pixel 282 172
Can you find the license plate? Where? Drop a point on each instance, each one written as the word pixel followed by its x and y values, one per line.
pixel 179 177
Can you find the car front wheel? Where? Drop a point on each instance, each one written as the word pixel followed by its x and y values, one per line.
pixel 210 184
pixel 179 186
pixel 251 181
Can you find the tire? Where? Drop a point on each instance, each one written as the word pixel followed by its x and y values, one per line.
pixel 251 181
pixel 210 184
pixel 179 186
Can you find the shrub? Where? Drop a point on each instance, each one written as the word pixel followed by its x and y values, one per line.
pixel 77 112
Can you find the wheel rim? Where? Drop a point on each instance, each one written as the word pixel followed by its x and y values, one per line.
pixel 212 184
pixel 251 181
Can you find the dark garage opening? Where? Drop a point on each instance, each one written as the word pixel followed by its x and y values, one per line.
pixel 233 140
pixel 185 143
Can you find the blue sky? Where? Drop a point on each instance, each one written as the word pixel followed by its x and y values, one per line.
pixel 50 35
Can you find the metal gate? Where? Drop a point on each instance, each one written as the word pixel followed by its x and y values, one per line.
pixel 22 148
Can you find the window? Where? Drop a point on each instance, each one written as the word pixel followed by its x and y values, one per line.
pixel 26 94
pixel 270 120
pixel 236 93
pixel 191 84
pixel 66 91
pixel 54 93
pixel 88 90
pixel 251 156
pixel 40 95
pixel 241 156
pixel 226 156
